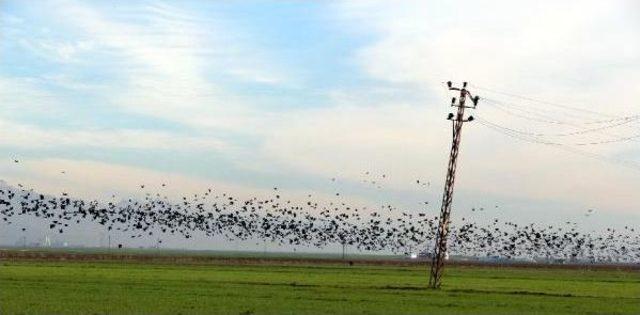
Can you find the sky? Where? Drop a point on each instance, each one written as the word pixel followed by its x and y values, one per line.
pixel 249 95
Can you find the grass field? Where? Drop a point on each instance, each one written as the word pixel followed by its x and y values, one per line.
pixel 99 287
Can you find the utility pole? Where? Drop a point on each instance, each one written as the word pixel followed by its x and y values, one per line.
pixel 457 120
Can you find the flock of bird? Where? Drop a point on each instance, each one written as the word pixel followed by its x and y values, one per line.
pixel 317 224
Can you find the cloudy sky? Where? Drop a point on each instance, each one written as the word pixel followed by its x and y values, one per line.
pixel 248 95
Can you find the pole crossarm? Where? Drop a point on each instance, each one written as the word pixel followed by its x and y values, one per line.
pixel 457 120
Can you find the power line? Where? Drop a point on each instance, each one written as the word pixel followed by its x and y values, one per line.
pixel 502 105
pixel 575 133
pixel 544 102
pixel 502 109
pixel 620 139
pixel 577 125
pixel 514 133
pixel 564 147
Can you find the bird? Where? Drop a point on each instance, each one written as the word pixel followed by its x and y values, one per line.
pixel 316 224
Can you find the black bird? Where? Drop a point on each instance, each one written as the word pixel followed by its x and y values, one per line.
pixel 317 224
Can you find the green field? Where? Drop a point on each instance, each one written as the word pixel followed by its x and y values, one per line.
pixel 54 287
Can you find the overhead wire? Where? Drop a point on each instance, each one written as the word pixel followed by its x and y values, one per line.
pixel 544 119
pixel 620 139
pixel 504 105
pixel 555 104
pixel 543 116
pixel 547 115
pixel 579 132
pixel 507 132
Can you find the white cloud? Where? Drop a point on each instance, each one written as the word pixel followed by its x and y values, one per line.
pixel 91 179
pixel 546 50
pixel 586 56
pixel 167 55
pixel 57 50
pixel 29 136
pixel 534 47
pixel 349 140
pixel 409 143
pixel 99 180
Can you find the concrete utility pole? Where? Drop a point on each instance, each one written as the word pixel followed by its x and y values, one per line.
pixel 440 251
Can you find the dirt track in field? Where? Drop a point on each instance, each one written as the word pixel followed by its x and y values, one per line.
pixel 48 256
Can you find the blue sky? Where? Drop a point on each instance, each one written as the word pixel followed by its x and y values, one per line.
pixel 254 94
